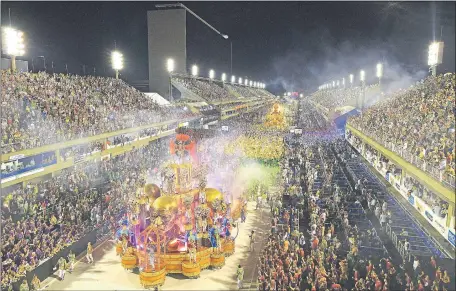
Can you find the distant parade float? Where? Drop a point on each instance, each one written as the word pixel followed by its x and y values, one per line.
pixel 182 226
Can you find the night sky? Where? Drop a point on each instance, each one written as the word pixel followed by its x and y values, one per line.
pixel 295 45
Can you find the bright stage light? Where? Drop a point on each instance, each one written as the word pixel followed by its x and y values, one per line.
pixel 170 65
pixel 233 79
pixel 211 74
pixel 223 77
pixel 362 76
pixel 240 80
pixel 351 78
pixel 343 81
pixel 338 83
pixel 246 82
pixel 195 70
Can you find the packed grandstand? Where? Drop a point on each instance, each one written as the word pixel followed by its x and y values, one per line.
pixel 334 214
pixel 349 188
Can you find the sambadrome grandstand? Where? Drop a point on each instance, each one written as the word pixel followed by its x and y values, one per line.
pixel 75 150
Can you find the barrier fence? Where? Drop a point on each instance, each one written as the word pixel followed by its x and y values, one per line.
pixel 446 178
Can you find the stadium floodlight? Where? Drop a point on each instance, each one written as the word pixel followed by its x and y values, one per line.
pixel 233 79
pixel 334 84
pixel 223 77
pixel 343 82
pixel 194 70
pixel 240 81
pixel 246 82
pixel 435 56
pixel 170 65
pixel 13 41
pixel 117 62
pixel 338 83
pixel 379 72
pixel 250 83
pixel 351 79
pixel 362 76
pixel 211 74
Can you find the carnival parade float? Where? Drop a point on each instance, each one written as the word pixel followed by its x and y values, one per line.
pixel 183 226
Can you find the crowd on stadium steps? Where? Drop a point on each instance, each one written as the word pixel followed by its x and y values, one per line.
pixel 40 109
pixel 293 261
pixel 418 122
pixel 209 90
pixel 43 218
pixel 349 96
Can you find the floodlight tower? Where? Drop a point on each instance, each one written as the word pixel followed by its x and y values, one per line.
pixel 194 70
pixel 117 62
pixel 379 73
pixel 13 44
pixel 170 65
pixel 435 56
pixel 362 78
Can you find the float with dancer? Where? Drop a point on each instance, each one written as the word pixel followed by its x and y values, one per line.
pixel 184 225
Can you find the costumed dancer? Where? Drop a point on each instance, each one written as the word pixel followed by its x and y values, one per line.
pixel 218 242
pixel 71 260
pixel 202 196
pixel 89 253
pixel 36 283
pixel 124 245
pixel 152 258
pixel 252 241
pixel 239 276
pixel 192 250
pixel 62 266
pixel 24 286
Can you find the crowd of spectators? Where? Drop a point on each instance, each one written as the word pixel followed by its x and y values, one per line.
pixel 208 90
pixel 418 124
pixel 350 96
pixel 214 91
pixel 42 218
pixel 317 258
pixel 40 109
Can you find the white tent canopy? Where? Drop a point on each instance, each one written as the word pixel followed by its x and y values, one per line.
pixel 158 98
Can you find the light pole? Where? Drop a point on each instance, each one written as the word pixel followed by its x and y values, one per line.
pixel 170 69
pixel 225 36
pixel 117 62
pixel 362 78
pixel 379 73
pixel 13 41
pixel 44 62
